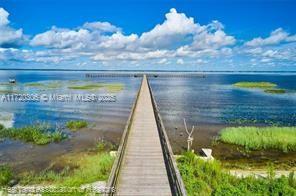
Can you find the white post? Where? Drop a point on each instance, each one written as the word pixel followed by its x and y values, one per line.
pixel 190 138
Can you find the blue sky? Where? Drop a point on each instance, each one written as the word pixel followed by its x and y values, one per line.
pixel 161 35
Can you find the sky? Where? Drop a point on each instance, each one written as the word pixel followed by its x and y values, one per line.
pixel 198 35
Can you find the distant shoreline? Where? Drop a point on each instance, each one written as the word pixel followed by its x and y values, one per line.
pixel 144 71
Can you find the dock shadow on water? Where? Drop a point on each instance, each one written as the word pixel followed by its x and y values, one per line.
pixel 212 103
pixel 106 120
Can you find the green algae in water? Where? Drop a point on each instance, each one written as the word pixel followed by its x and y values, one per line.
pixel 275 91
pixel 76 85
pixel 267 87
pixel 36 134
pixel 46 85
pixel 76 125
pixel 111 87
pixel 262 85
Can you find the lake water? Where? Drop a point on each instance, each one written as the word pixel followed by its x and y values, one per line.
pixel 107 120
pixel 211 103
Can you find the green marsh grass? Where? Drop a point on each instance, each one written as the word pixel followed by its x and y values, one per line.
pixel 36 134
pixel 45 85
pixel 116 87
pixel 76 125
pixel 262 85
pixel 34 84
pixel 209 178
pixel 87 87
pixel 267 87
pixel 112 87
pixel 88 168
pixel 261 138
pixel 275 91
pixel 8 91
pixel 5 175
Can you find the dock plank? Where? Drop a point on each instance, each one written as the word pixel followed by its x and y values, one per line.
pixel 143 170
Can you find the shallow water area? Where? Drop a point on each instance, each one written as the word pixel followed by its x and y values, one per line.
pixel 106 120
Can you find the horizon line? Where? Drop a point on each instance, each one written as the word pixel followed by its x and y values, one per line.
pixel 128 70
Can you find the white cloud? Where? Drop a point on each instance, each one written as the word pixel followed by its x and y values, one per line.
pixel 9 37
pixel 201 61
pixel 12 54
pixel 118 41
pixel 270 53
pixel 132 56
pixel 177 36
pixel 3 17
pixel 101 26
pixel 180 61
pixel 162 61
pixel 215 40
pixel 62 38
pixel 173 30
pixel 82 39
pixel 178 29
pixel 285 52
pixel 276 37
pixel 265 60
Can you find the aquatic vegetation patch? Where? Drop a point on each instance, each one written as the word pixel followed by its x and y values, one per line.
pixel 87 87
pixel 36 134
pixel 261 138
pixel 275 91
pixel 8 91
pixel 209 178
pixel 46 84
pixel 263 85
pixel 76 125
pixel 247 121
pixel 112 87
pixel 6 175
pixel 104 145
pixel 7 84
pixel 267 87
pixel 6 119
pixel 34 84
pixel 8 88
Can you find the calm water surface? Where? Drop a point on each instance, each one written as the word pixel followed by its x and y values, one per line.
pixel 212 103
pixel 107 120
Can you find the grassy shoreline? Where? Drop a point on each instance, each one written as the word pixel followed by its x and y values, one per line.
pixel 209 178
pixel 69 170
pixel 78 169
pixel 261 138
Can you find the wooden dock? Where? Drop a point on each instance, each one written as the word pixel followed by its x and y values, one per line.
pixel 143 168
pixel 144 164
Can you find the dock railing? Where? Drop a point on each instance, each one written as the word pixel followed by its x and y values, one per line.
pixel 113 177
pixel 175 179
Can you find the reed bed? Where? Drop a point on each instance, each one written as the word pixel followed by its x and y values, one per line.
pixel 261 138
